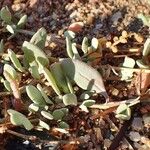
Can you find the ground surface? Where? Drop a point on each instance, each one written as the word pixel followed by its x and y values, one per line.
pixel 102 18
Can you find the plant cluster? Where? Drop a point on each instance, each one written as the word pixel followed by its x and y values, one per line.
pixel 50 88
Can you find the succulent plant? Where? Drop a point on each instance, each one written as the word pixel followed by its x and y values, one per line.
pixel 39 38
pixel 15 60
pixel 8 23
pixel 5 15
pixel 34 53
pixel 47 77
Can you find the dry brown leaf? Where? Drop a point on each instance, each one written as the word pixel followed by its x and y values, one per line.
pixel 95 58
pixel 17 102
pixel 13 84
pixel 142 82
pixel 102 42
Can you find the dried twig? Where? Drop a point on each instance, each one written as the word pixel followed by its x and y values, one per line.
pixel 120 135
pixel 26 137
pixel 130 102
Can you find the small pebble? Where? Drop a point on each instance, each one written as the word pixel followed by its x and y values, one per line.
pixel 90 19
pixel 18 7
pixel 116 16
pixel 73 14
pixel 134 136
pixel 115 92
pixel 76 26
pixel 124 34
pixel 26 142
pixel 107 142
pixel 146 141
pixel 146 119
pixel 137 124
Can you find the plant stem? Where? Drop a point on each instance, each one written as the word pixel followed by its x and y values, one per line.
pixel 130 102
pixel 25 32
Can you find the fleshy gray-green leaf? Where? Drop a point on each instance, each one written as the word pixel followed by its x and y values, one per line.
pixel 86 95
pixel 34 72
pixel 35 95
pixel 75 51
pixel 10 29
pixel 15 60
pixel 59 76
pixel 145 19
pixel 22 21
pixel 141 64
pixel 69 85
pixel 7 85
pixel 84 75
pixel 63 125
pixel 47 115
pixel 88 103
pixel 44 125
pixel 94 43
pixel 69 34
pixel 146 50
pixel 85 45
pixel 64 110
pixel 19 119
pixel 123 112
pixel 1 46
pixel 128 63
pixel 47 100
pixel 58 114
pixel 70 99
pixel 33 107
pixel 39 38
pixel 84 108
pixel 10 70
pixel 33 52
pixel 69 47
pixel 5 15
pixel 48 75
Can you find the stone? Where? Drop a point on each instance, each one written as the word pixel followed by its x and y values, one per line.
pixel 137 124
pixel 134 136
